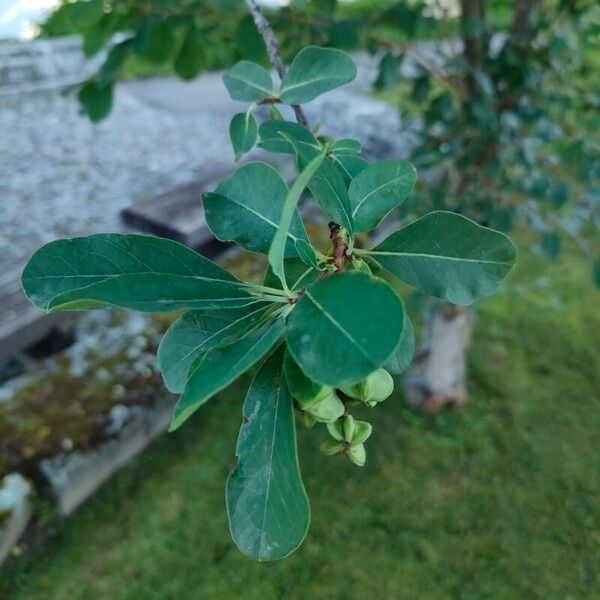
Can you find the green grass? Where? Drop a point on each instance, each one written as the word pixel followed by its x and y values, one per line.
pixel 499 500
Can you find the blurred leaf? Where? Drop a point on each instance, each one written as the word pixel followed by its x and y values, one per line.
pixel 96 101
pixel 191 59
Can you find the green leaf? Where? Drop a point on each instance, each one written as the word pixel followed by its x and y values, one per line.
pixel 191 58
pixel 400 359
pixel 246 208
pixel 289 210
pixel 379 188
pixel 349 166
pixel 96 100
pixel 114 62
pixel 307 254
pixel 155 41
pixel 243 131
pixel 448 256
pixel 346 146
pixel 215 370
pixel 328 188
pixel 344 327
pixel 275 136
pixel 300 386
pixel 315 71
pixel 247 82
pixel 198 331
pixel 138 272
pixel 297 275
pixel 84 13
pixel 389 71
pixel 267 504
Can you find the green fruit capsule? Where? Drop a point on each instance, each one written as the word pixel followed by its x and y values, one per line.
pixel 362 431
pixel 348 427
pixel 301 388
pixel 360 265
pixel 336 430
pixel 307 420
pixel 357 454
pixel 376 387
pixel 331 447
pixel 327 409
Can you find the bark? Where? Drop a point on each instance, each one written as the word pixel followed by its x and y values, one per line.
pixel 473 25
pixel 522 26
pixel 437 376
pixel 268 35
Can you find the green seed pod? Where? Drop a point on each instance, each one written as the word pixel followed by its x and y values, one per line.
pixel 307 420
pixel 348 427
pixel 327 409
pixel 362 431
pixel 357 454
pixel 376 387
pixel 360 265
pixel 336 430
pixel 301 388
pixel 331 447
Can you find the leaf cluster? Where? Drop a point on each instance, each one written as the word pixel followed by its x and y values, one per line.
pixel 325 327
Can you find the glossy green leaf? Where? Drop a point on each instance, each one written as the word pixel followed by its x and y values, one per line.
pixel 400 359
pixel 215 370
pixel 346 146
pixel 448 256
pixel 297 274
pixel 247 82
pixel 328 187
pixel 307 254
pixel 379 188
pixel 275 136
pixel 344 327
pixel 267 504
pixel 139 272
pixel 191 58
pixel 198 331
pixel 289 210
pixel 300 386
pixel 246 208
pixel 315 71
pixel 349 166
pixel 243 131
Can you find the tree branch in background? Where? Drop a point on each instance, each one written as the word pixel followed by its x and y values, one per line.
pixel 268 35
pixel 473 21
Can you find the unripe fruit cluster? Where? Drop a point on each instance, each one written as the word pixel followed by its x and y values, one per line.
pixel 323 404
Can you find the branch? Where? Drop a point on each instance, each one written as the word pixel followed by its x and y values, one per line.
pixel 268 35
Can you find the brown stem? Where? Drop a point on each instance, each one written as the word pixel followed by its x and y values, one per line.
pixel 268 35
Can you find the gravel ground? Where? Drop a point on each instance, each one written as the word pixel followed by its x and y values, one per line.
pixel 63 176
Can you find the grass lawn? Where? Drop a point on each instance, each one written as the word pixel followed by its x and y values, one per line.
pixel 499 500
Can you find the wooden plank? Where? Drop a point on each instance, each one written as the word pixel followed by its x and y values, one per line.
pixel 176 214
pixel 21 323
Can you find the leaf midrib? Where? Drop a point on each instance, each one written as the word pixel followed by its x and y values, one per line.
pixel 440 257
pixel 338 325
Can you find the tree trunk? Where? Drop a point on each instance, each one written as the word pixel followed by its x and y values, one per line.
pixel 473 33
pixel 437 376
pixel 522 29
